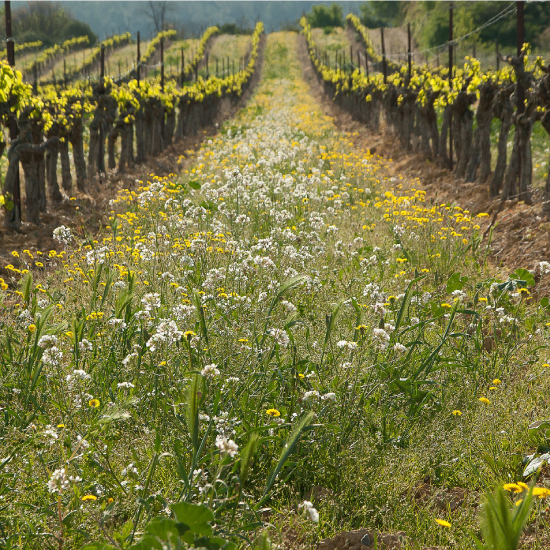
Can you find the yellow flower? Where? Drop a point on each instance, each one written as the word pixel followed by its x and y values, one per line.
pixel 457 413
pixel 61 425
pixel 94 403
pixel 512 487
pixel 31 328
pixel 446 305
pixel 109 500
pixel 541 492
pixel 300 375
pixel 485 400
pixel 188 334
pixel 89 497
pixel 496 382
pixel 443 523
pixel 273 412
pixel 15 254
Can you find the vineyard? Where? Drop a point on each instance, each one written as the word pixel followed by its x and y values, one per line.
pixel 272 337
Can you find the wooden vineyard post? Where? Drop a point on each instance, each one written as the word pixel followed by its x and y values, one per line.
pixel 384 68
pixel 182 67
pixel 520 89
pixel 367 63
pixel 409 51
pixel 520 105
pixel 64 73
pixel 101 160
pixel 498 55
pixel 35 78
pixel 359 60
pixel 217 69
pixel 207 67
pixel 16 216
pixel 351 57
pixel 451 83
pixel 223 67
pixel 162 64
pixel 138 68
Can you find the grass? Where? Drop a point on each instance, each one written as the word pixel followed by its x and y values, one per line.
pixel 72 61
pixel 231 48
pixel 335 41
pixel 280 322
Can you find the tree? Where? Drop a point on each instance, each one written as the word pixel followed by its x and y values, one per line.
pixel 48 22
pixel 382 14
pixel 157 12
pixel 322 16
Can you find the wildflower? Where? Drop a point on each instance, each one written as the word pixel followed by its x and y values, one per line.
pixel 310 511
pixel 382 337
pixel 541 492
pixel 210 371
pixel 94 403
pixel 31 328
pixel 85 345
pixel 443 523
pixel 227 446
pixel 280 336
pixel 125 385
pixel 150 301
pixel 445 305
pixel 329 396
pixel 89 497
pixel 47 341
pixel 167 333
pixel 314 394
pixel 512 487
pixel 457 413
pixel 496 382
pixel 62 234
pixel 347 345
pixel 188 334
pixel 273 412
pixel 58 481
pixel 484 400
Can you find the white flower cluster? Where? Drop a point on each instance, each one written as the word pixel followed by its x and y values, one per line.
pixel 227 446
pixel 62 234
pixel 59 481
pixel 310 511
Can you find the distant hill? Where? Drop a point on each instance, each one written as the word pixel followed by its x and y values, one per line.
pixel 107 18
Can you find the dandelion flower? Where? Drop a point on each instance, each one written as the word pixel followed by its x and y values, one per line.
pixel 273 412
pixel 484 400
pixel 457 413
pixel 496 382
pixel 512 487
pixel 443 523
pixel 541 492
pixel 93 403
pixel 89 497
